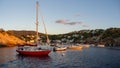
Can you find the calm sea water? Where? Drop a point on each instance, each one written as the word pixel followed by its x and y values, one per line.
pixel 87 58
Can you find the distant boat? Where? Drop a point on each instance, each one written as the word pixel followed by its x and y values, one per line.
pixel 34 49
pixel 85 45
pixel 59 48
pixel 75 47
pixel 101 46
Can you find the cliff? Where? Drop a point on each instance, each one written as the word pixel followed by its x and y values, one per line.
pixel 7 39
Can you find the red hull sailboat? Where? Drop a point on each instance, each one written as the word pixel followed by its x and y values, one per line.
pixel 39 52
pixel 34 49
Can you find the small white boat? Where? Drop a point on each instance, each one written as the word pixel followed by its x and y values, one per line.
pixel 59 48
pixel 101 46
pixel 86 45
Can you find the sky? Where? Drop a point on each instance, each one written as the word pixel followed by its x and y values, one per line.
pixel 60 16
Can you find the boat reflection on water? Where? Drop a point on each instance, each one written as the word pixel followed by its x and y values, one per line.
pixel 32 61
pixel 46 57
pixel 62 53
pixel 92 57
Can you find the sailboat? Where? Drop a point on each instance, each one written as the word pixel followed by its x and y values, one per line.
pixel 34 50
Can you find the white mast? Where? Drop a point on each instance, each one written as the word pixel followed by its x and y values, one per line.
pixel 48 41
pixel 36 21
pixel 42 22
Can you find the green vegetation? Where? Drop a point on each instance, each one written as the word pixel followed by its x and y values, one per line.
pixel 109 37
pixel 2 45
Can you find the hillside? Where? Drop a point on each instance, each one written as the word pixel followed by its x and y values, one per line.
pixel 7 39
pixel 109 37
pixel 22 33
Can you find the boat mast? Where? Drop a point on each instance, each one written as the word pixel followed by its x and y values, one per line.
pixel 48 41
pixel 36 21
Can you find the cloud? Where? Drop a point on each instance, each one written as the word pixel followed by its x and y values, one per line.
pixel 73 23
pixel 67 22
pixel 62 21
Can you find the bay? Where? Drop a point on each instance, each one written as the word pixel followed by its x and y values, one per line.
pixel 92 57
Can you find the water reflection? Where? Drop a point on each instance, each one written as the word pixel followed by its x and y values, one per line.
pixel 86 58
pixel 28 62
pixel 33 61
pixel 7 54
pixel 33 57
pixel 10 59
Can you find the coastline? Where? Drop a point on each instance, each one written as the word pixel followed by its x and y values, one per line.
pixel 2 45
pixel 116 48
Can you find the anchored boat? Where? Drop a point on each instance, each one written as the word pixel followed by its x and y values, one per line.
pixel 35 49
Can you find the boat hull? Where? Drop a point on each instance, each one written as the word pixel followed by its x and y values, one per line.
pixel 101 46
pixel 39 52
pixel 75 47
pixel 59 49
